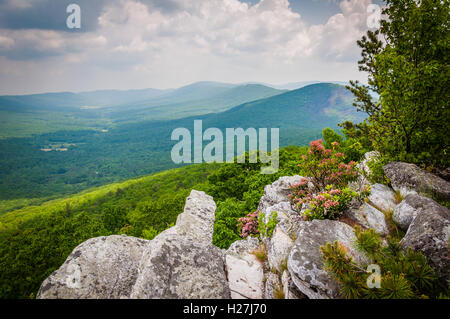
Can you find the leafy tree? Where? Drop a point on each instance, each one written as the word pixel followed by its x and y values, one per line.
pixel 407 61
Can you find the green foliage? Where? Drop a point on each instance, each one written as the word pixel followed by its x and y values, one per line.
pixel 409 71
pixel 237 188
pixel 352 147
pixel 36 240
pixel 149 233
pixel 404 274
pixel 329 176
pixel 266 228
pixel 376 174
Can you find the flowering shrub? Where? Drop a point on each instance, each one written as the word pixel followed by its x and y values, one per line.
pixel 299 191
pixel 254 224
pixel 328 204
pixel 249 225
pixel 327 166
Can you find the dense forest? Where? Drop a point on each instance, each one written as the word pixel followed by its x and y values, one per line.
pixel 88 158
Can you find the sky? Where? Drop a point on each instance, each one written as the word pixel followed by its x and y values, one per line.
pixel 135 44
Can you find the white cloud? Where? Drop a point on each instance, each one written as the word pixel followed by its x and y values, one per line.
pixel 224 40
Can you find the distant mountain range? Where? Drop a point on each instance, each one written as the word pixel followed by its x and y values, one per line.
pixel 225 94
pixel 114 143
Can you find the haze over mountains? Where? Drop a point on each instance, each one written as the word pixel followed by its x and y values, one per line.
pixel 74 148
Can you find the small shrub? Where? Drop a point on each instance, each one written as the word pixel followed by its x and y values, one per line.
pixel 404 274
pixel 376 174
pixel 249 225
pixel 327 166
pixel 265 229
pixel 328 204
pixel 298 192
pixel 329 176
pixel 254 225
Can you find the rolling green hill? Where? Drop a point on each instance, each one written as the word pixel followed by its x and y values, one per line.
pixel 94 158
pixel 25 115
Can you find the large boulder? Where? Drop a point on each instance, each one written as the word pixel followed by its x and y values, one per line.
pixel 103 267
pixel 382 197
pixel 408 178
pixel 429 233
pixel 369 217
pixel 181 262
pixel 174 267
pixel 245 272
pixel 305 262
pixel 408 209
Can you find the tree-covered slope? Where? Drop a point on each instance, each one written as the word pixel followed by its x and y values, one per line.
pixel 95 158
pixel 24 115
pixel 35 240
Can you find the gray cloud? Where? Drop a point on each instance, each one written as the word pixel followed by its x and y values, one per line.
pixel 51 14
pixel 167 43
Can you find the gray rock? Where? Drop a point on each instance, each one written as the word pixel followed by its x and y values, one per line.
pixel 383 197
pixel 289 288
pixel 278 248
pixel 408 209
pixel 278 191
pixel 244 271
pixel 305 262
pixel 286 216
pixel 273 286
pixel 429 233
pixel 175 267
pixel 181 262
pixel 103 267
pixel 369 217
pixel 408 178
pixel 197 220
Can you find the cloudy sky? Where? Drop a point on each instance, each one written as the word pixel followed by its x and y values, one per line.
pixel 131 44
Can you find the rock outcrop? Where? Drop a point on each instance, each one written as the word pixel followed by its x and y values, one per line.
pixel 364 170
pixel 181 262
pixel 245 272
pixel 278 248
pixel 409 208
pixel 278 191
pixel 369 217
pixel 305 262
pixel 99 268
pixel 429 233
pixel 382 197
pixel 408 178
